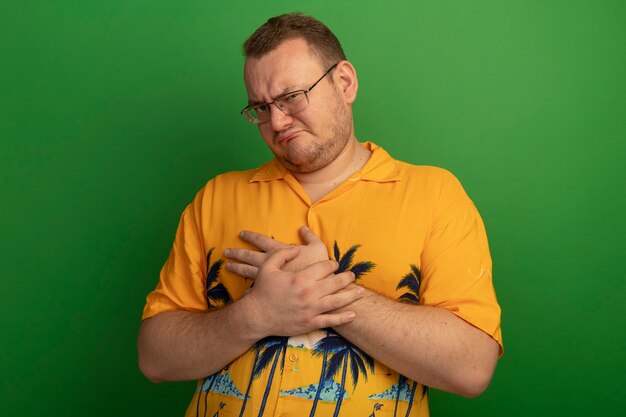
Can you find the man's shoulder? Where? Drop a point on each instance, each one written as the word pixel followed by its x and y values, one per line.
pixel 409 170
pixel 243 176
pixel 234 176
pixel 227 186
pixel 428 173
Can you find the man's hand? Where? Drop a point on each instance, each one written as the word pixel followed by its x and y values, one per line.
pixel 286 303
pixel 249 261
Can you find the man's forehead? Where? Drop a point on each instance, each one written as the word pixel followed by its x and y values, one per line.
pixel 286 53
pixel 286 47
pixel 266 89
pixel 279 71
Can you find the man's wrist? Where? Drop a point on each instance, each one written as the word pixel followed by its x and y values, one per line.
pixel 252 319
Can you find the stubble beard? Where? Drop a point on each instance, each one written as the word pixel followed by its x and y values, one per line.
pixel 319 155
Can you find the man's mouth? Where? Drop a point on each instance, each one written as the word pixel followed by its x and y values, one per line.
pixel 283 138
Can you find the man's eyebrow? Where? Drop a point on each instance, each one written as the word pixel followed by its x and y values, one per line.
pixel 254 102
pixel 289 90
pixel 284 91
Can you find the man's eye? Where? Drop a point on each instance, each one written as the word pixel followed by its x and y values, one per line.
pixel 293 96
pixel 262 108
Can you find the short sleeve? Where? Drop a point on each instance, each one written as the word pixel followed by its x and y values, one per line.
pixel 180 285
pixel 456 263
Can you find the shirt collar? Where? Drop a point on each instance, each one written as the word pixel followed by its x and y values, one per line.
pixel 379 168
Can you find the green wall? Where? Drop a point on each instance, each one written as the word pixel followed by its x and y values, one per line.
pixel 114 113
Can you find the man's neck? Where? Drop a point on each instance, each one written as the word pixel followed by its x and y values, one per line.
pixel 319 183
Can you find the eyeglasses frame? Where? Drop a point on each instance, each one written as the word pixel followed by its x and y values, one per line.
pixel 306 92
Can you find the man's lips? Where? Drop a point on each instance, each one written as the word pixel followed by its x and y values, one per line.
pixel 287 136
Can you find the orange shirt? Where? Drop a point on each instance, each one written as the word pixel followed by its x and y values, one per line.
pixel 409 233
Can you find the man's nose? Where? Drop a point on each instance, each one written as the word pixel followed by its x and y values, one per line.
pixel 279 120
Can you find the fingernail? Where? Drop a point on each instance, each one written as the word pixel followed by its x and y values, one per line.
pixel 360 290
pixel 351 315
pixel 242 233
pixel 226 252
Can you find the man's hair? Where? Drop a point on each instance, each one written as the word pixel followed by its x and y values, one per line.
pixel 292 26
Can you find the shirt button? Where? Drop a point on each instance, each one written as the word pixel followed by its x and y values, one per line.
pixel 293 357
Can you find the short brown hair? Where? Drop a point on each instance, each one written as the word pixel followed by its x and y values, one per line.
pixel 291 26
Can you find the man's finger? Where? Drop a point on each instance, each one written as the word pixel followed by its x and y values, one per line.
pixel 261 241
pixel 308 236
pixel 322 269
pixel 246 256
pixel 335 282
pixel 340 299
pixel 279 258
pixel 243 270
pixel 332 320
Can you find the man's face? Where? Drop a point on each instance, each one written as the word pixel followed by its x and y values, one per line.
pixel 312 138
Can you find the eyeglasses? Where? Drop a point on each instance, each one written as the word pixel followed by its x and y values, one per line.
pixel 288 103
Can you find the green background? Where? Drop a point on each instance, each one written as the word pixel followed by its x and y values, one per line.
pixel 114 113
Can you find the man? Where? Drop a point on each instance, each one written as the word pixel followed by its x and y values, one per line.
pixel 387 291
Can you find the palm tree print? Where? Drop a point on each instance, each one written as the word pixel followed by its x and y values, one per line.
pixel 424 391
pixel 345 261
pixel 332 341
pixel 322 348
pixel 272 347
pixel 401 381
pixel 344 354
pixel 216 296
pixel 411 281
pixel 257 349
pixel 208 382
pixel 376 407
pixel 217 413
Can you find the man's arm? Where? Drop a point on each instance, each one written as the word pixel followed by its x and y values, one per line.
pixel 183 345
pixel 427 344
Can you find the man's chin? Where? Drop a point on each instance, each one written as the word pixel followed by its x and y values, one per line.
pixel 297 161
pixel 299 167
pixel 304 160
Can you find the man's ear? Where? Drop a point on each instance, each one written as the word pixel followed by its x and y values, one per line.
pixel 347 79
